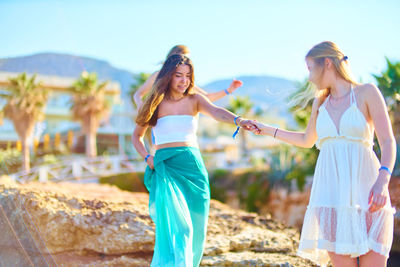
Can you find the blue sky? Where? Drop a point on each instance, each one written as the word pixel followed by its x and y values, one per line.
pixel 226 38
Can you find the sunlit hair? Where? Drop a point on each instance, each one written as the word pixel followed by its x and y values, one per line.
pixel 318 54
pixel 148 113
pixel 178 50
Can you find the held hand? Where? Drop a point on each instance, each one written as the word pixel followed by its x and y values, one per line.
pixel 248 125
pixel 263 129
pixel 234 85
pixel 379 194
pixel 150 162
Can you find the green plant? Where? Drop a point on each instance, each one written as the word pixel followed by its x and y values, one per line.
pixel 389 84
pixel 10 160
pixel 132 182
pixel 140 79
pixel 218 184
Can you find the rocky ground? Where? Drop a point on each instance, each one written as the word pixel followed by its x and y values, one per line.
pixel 66 224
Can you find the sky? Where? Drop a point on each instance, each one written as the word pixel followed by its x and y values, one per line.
pixel 227 39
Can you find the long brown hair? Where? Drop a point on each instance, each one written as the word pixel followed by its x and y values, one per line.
pixel 148 113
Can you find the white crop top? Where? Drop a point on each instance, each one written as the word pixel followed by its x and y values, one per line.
pixel 175 128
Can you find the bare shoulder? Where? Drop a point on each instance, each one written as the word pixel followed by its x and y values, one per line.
pixel 369 96
pixel 197 97
pixel 200 101
pixel 369 93
pixel 367 90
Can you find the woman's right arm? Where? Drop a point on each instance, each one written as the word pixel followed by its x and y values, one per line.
pixel 305 139
pixel 137 140
pixel 144 89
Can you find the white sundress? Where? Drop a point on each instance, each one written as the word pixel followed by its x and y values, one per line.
pixel 337 218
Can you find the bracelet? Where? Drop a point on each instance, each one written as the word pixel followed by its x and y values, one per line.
pixel 237 129
pixel 145 159
pixel 234 120
pixel 226 91
pixel 386 169
pixel 276 131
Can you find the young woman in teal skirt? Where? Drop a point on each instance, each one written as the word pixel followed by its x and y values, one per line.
pixel 176 177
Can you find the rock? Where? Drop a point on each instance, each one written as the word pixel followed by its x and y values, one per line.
pixel 69 224
pixel 288 206
pixel 230 230
pixel 247 258
pixel 52 219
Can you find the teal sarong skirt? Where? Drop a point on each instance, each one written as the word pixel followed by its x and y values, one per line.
pixel 179 205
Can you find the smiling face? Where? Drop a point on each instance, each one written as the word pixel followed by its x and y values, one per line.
pixel 181 79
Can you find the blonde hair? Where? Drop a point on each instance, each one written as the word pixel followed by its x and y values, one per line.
pixel 318 54
pixel 148 113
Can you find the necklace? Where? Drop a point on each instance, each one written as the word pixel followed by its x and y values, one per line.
pixel 337 99
pixel 335 107
pixel 340 97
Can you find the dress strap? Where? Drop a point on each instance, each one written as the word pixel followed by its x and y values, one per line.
pixel 326 101
pixel 352 96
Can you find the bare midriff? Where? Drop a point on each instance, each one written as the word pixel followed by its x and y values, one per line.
pixel 176 144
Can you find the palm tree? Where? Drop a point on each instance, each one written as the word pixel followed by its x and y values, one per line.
pixel 389 83
pixel 241 105
pixel 90 107
pixel 140 78
pixel 26 100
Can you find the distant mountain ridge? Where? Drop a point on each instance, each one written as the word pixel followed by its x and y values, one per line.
pixel 270 95
pixel 264 91
pixel 267 93
pixel 67 66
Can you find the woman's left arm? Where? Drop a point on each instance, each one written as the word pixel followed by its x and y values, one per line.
pixel 220 94
pixel 380 117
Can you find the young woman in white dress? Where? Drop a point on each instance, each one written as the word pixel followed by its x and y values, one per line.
pixel 349 213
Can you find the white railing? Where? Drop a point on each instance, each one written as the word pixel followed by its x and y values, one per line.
pixel 81 169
